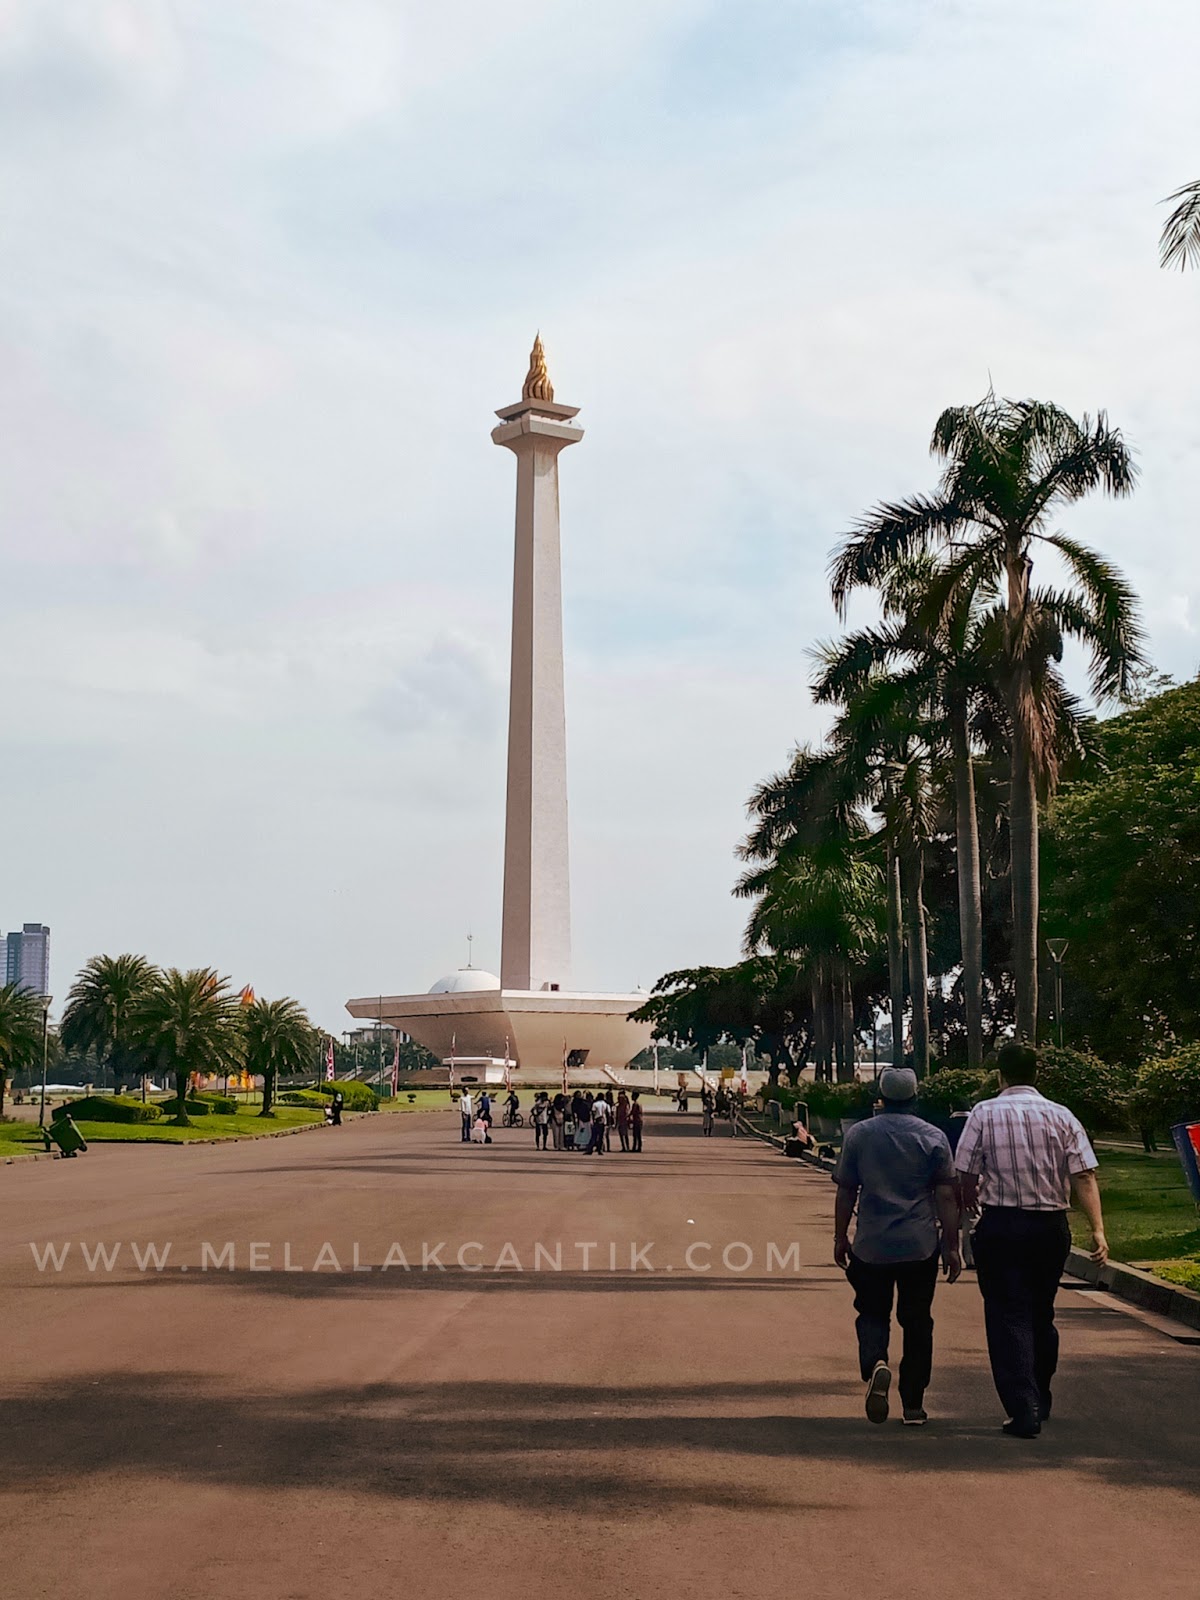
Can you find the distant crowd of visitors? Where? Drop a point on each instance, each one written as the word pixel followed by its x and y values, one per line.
pixel 581 1121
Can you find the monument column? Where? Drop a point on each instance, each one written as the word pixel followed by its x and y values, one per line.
pixel 535 948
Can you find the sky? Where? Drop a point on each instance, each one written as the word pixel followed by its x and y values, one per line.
pixel 269 266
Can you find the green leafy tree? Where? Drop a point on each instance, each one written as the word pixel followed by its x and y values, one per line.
pixel 278 1040
pixel 1121 881
pixel 187 1022
pixel 20 1033
pixel 99 1014
pixel 1010 466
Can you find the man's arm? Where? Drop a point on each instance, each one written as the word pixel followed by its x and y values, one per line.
pixel 946 1200
pixel 843 1210
pixel 968 1188
pixel 1087 1197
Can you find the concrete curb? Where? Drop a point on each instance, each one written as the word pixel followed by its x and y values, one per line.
pixel 1139 1288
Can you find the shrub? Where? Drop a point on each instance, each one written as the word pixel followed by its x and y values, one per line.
pixel 357 1096
pixel 223 1105
pixel 1095 1091
pixel 838 1100
pixel 952 1089
pixel 1168 1089
pixel 194 1108
pixel 113 1108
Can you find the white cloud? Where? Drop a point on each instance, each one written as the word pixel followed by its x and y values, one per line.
pixel 269 266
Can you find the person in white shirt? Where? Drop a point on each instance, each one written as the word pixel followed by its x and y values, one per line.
pixel 599 1124
pixel 1019 1159
pixel 467 1111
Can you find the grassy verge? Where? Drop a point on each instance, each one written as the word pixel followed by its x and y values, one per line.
pixel 21 1138
pixel 1149 1214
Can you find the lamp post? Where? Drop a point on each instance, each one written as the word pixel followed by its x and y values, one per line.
pixel 1058 949
pixel 45 1051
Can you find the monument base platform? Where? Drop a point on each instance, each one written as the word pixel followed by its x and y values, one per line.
pixel 534 1029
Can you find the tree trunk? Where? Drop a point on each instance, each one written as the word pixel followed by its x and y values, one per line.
pixel 970 908
pixel 181 1118
pixel 818 1028
pixel 895 954
pixel 1023 845
pixel 918 956
pixel 1022 809
pixel 268 1105
pixel 846 1031
pixel 3 1087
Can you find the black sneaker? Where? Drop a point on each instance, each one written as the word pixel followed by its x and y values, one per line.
pixel 915 1417
pixel 877 1392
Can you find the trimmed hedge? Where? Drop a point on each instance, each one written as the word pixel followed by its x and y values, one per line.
pixel 356 1096
pixel 113 1108
pixel 954 1089
pixel 194 1108
pixel 223 1105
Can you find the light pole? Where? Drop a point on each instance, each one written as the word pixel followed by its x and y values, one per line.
pixel 45 1051
pixel 1058 949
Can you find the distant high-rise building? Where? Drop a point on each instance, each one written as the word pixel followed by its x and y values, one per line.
pixel 27 958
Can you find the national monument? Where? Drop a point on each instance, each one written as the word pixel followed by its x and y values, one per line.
pixel 530 1016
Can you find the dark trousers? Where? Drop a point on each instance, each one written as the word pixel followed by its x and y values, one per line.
pixel 623 1135
pixel 466 1131
pixel 541 1132
pixel 637 1137
pixel 1019 1259
pixel 912 1283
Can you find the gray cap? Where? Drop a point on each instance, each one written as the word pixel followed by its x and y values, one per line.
pixel 898 1083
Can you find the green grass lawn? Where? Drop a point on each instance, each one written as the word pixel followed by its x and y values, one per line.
pixel 21 1138
pixel 1149 1214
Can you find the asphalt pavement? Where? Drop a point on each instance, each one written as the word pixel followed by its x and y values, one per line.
pixel 374 1361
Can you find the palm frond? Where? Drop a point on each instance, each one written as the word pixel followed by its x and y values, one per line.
pixel 1114 635
pixel 1179 245
pixel 890 532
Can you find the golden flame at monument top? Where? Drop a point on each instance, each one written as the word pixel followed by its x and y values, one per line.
pixel 537 380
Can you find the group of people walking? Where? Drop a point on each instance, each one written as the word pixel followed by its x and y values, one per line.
pixel 582 1121
pixel 587 1121
pixel 714 1104
pixel 1015 1164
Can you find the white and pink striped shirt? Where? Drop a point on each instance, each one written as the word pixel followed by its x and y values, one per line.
pixel 1024 1149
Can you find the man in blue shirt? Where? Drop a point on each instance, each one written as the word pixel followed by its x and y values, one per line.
pixel 899 1171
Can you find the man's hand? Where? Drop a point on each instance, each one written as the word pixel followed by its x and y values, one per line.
pixel 841 1250
pixel 951 1263
pixel 1099 1251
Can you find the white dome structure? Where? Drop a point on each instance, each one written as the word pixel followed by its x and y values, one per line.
pixel 467 980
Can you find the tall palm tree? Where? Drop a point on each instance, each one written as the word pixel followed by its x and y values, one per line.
pixel 928 648
pixel 1010 465
pixel 99 1014
pixel 186 1022
pixel 277 1038
pixel 20 1032
pixel 818 890
pixel 1179 245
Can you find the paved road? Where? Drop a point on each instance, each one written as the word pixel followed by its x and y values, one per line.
pixel 304 1435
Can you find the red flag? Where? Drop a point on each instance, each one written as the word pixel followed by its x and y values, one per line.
pixel 329 1060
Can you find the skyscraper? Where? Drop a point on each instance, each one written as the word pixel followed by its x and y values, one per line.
pixel 27 958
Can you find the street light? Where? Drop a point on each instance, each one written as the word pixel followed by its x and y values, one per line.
pixel 1058 949
pixel 45 1049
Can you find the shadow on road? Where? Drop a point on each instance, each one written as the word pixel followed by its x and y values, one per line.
pixel 634 1449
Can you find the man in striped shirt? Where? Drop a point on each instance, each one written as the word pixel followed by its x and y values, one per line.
pixel 1019 1158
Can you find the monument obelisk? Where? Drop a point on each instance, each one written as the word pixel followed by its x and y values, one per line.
pixel 535 943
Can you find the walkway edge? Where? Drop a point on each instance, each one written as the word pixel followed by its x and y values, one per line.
pixel 1139 1288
